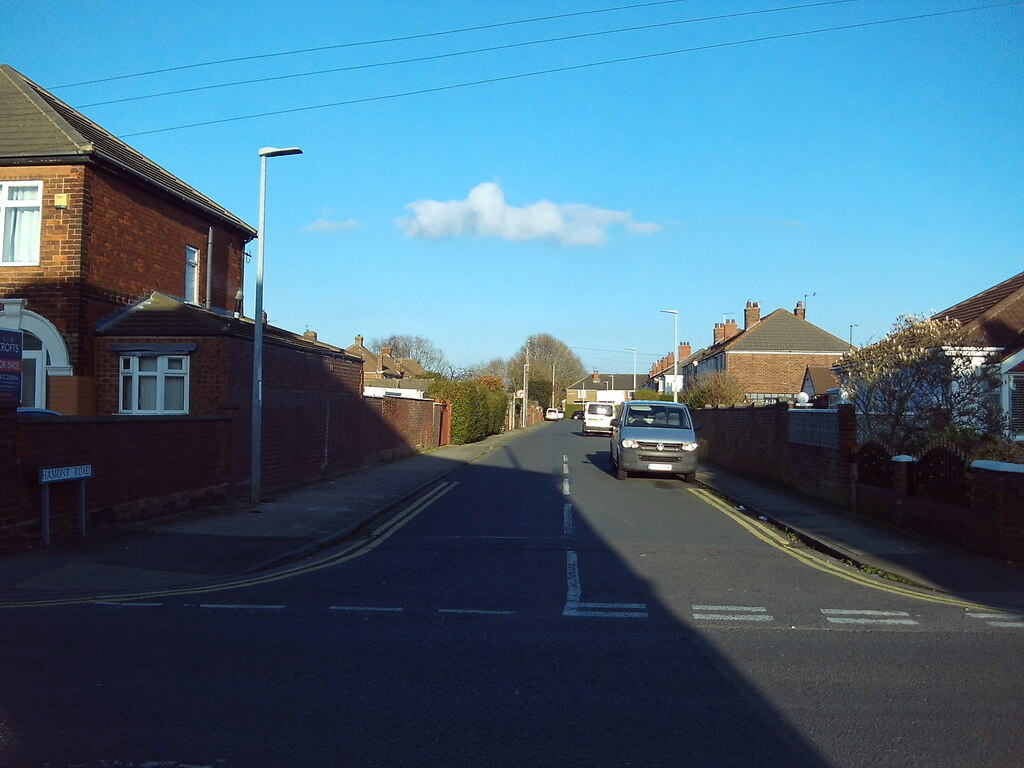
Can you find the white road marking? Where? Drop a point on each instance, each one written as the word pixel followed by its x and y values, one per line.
pixel 371 608
pixel 565 487
pixel 574 591
pixel 1005 620
pixel 127 603
pixel 243 606
pixel 848 616
pixel 477 611
pixel 567 518
pixel 731 613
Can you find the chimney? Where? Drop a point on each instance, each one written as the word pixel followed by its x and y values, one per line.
pixel 730 328
pixel 751 314
pixel 385 351
pixel 684 350
pixel 359 340
pixel 308 334
pixel 800 311
pixel 597 377
pixel 719 333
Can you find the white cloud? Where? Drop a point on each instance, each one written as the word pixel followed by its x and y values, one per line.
pixel 485 213
pixel 326 225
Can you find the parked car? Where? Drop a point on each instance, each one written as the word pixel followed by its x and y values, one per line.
pixel 553 414
pixel 577 415
pixel 597 417
pixel 654 436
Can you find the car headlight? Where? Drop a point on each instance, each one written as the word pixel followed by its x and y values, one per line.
pixel 689 446
pixel 630 444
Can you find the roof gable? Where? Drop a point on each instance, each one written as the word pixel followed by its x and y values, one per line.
pixel 37 127
pixel 782 331
pixel 994 317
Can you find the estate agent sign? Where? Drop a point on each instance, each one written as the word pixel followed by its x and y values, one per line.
pixel 10 368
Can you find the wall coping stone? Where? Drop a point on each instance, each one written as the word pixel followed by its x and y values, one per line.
pixel 998 466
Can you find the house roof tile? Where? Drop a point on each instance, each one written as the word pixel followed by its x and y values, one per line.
pixel 160 315
pixel 994 317
pixel 782 331
pixel 38 128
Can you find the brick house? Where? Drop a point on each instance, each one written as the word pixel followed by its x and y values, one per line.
pixel 994 322
pixel 92 226
pixel 601 388
pixel 770 354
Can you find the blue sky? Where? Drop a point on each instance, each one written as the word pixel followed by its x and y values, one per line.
pixel 874 170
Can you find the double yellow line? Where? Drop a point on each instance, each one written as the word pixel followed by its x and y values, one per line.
pixel 361 546
pixel 773 537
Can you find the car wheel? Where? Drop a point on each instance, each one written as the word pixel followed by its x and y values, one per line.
pixel 689 477
pixel 621 474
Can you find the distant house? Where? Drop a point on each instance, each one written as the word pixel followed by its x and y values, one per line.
pixel 770 355
pixel 383 371
pixel 667 376
pixel 600 388
pixel 994 321
pixel 819 382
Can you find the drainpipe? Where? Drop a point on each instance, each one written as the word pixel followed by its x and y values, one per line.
pixel 209 265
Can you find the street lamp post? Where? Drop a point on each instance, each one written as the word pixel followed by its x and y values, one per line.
pixel 257 337
pixel 633 350
pixel 675 353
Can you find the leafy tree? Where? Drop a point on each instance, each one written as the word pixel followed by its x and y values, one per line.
pixel 714 389
pixel 417 348
pixel 547 354
pixel 924 380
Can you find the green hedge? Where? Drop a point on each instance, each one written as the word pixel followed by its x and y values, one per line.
pixel 476 411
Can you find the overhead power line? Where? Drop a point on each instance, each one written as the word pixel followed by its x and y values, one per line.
pixel 574 67
pixel 454 54
pixel 380 41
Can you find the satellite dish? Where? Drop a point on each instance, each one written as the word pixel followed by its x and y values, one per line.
pixel 802 398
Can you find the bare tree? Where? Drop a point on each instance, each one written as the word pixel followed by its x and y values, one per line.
pixel 417 348
pixel 553 367
pixel 714 389
pixel 925 379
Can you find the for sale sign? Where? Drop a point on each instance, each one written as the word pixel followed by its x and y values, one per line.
pixel 10 368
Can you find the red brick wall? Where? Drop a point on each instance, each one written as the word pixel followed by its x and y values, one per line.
pixel 115 242
pixel 773 373
pixel 755 441
pixel 992 525
pixel 142 468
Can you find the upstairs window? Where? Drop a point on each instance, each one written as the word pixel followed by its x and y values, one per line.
pixel 154 384
pixel 20 207
pixel 191 274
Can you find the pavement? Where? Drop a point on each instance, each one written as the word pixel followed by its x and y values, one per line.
pixel 209 545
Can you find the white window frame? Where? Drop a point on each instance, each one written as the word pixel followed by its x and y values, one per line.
pixel 133 373
pixel 191 274
pixel 8 256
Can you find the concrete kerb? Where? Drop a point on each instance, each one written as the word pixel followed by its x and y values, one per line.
pixel 350 531
pixel 814 542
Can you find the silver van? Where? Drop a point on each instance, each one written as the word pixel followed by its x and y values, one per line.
pixel 654 436
pixel 597 417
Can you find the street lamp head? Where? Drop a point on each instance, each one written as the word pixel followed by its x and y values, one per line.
pixel 670 311
pixel 275 152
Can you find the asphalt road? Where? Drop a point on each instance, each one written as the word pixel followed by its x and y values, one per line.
pixel 531 610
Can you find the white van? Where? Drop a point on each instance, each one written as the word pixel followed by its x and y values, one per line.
pixel 597 418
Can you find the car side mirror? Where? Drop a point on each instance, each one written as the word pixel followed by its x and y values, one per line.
pixel 615 422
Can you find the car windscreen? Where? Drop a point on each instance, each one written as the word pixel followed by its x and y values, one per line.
pixel 599 410
pixel 659 416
